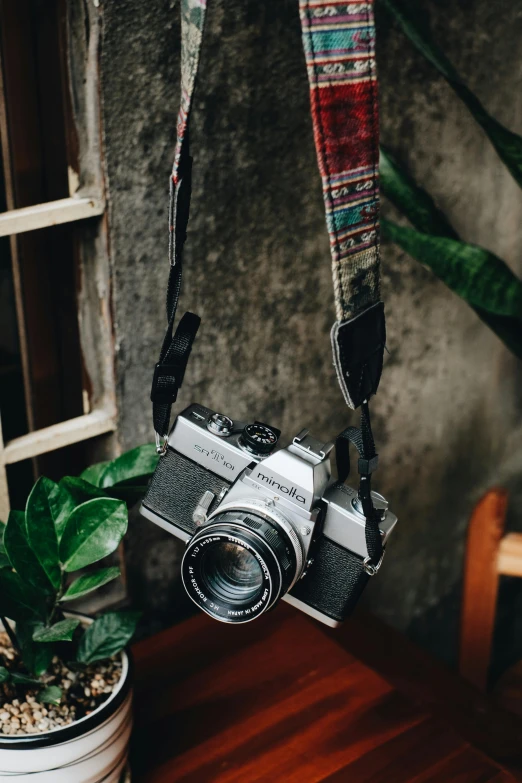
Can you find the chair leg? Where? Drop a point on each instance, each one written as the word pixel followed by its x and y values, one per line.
pixel 479 600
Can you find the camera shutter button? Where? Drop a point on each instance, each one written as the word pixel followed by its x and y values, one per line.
pixel 220 424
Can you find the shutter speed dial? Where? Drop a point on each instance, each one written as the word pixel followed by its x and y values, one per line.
pixel 258 438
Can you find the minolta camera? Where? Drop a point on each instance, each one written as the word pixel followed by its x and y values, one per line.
pixel 261 524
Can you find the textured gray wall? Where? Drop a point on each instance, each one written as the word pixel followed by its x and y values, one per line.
pixel 448 416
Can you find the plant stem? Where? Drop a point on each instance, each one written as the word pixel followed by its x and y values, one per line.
pixel 11 634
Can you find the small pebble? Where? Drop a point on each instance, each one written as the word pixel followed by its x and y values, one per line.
pixel 87 689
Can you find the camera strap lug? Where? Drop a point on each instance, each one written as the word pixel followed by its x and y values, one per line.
pixel 370 568
pixel 162 443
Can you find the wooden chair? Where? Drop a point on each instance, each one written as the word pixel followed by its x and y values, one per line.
pixel 490 553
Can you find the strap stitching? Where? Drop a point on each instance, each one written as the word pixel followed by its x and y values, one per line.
pixel 375 136
pixel 321 133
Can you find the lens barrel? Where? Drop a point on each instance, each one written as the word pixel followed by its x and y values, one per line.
pixel 238 566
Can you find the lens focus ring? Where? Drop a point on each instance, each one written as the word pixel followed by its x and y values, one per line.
pixel 237 566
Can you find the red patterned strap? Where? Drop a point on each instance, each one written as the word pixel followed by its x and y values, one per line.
pixel 339 44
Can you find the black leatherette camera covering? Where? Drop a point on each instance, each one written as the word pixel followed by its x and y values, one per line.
pixel 334 582
pixel 177 487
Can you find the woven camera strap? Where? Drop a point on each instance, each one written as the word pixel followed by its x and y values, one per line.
pixel 339 44
pixel 338 39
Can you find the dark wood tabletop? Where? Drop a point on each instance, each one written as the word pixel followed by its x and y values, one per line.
pixel 285 699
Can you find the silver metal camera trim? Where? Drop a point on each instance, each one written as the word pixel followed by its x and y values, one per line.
pixel 270 513
pixel 311 612
pixel 220 454
pixel 269 605
pixel 170 527
pixel 341 509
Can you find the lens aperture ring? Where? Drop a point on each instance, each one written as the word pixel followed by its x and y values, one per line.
pixel 268 512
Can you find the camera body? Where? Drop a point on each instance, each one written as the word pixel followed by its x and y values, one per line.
pixel 260 523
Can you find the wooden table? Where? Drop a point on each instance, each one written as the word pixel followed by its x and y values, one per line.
pixel 285 699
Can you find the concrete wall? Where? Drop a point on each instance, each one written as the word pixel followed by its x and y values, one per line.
pixel 448 417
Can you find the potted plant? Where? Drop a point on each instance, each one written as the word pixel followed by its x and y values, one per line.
pixel 65 680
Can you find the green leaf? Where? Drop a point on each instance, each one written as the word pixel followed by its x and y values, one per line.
pixel 89 582
pixel 50 695
pixel 93 474
pixel 21 679
pixel 37 657
pixel 93 531
pixel 4 560
pixel 107 636
pixel 81 491
pixel 420 209
pixel 4 674
pixel 62 504
pixel 507 329
pixel 129 493
pixel 20 554
pixel 59 632
pixel 43 507
pixel 475 274
pixel 413 201
pixel 415 25
pixel 19 600
pixel 134 464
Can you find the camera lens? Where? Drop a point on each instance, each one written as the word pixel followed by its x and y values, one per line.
pixel 237 566
pixel 231 572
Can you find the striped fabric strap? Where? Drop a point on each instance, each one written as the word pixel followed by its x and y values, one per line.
pixel 192 23
pixel 339 45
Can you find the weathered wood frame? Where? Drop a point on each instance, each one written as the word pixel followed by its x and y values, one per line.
pixel 86 207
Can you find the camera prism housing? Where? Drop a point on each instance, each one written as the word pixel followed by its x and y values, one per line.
pixel 261 523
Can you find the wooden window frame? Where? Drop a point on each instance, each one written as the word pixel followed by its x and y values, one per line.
pixel 86 208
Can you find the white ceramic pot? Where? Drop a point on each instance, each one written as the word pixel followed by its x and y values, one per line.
pixel 93 749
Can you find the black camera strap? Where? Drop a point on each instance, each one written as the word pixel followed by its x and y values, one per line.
pixel 177 345
pixel 367 463
pixel 338 40
pixel 176 348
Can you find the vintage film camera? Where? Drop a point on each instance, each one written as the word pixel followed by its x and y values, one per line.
pixel 260 524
